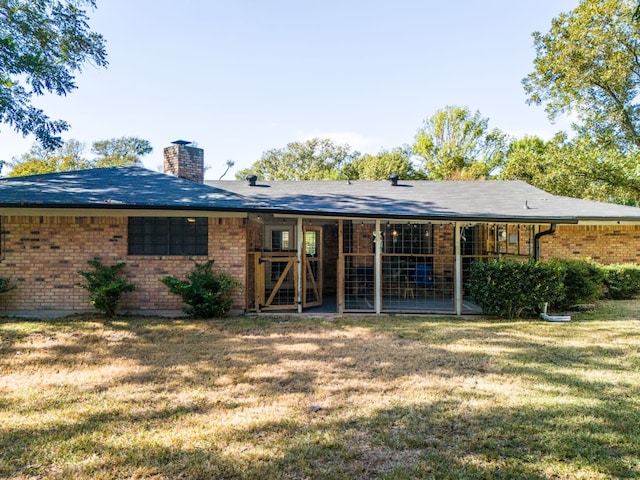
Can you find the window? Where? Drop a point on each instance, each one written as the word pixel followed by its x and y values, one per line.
pixel 280 240
pixel 411 239
pixel 311 243
pixel 168 236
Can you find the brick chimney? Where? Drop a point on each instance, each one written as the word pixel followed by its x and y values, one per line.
pixel 184 161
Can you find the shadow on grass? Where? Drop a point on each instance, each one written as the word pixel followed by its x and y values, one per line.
pixel 430 441
pixel 591 428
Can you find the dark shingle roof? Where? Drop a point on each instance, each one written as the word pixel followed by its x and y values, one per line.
pixel 135 187
pixel 117 187
pixel 454 200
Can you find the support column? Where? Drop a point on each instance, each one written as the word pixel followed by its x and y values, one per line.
pixel 458 274
pixel 378 268
pixel 340 270
pixel 300 237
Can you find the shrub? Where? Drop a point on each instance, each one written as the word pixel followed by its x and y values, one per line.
pixel 208 294
pixel 6 285
pixel 510 289
pixel 583 282
pixel 105 286
pixel 621 281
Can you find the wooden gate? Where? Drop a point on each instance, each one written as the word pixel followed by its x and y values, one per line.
pixel 276 281
pixel 277 278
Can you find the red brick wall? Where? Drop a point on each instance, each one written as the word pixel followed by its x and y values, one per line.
pixel 603 244
pixel 362 240
pixel 42 256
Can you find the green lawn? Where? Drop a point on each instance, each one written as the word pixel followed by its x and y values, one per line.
pixel 296 398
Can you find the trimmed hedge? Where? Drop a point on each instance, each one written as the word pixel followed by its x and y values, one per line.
pixel 511 289
pixel 621 281
pixel 582 282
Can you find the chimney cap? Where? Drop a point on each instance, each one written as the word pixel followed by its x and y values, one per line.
pixel 181 142
pixel 394 179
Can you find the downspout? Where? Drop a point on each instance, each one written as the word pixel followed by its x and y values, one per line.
pixel 536 240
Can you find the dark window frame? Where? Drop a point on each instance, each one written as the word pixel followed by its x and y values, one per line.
pixel 168 236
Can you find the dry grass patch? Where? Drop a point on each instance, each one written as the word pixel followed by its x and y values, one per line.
pixel 395 397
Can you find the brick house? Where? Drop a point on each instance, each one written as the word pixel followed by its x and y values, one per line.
pixel 335 246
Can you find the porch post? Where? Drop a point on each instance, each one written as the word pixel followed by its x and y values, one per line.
pixel 340 269
pixel 300 237
pixel 458 275
pixel 378 270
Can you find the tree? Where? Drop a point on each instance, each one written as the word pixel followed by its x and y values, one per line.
pixel 229 164
pixel 607 173
pixel 43 44
pixel 575 168
pixel 40 160
pixel 120 151
pixel 315 159
pixel 588 65
pixel 382 164
pixel 526 161
pixel 111 153
pixel 457 144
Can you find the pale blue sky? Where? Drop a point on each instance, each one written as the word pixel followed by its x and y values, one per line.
pixel 240 77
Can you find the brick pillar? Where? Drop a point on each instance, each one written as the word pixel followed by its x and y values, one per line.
pixel 184 162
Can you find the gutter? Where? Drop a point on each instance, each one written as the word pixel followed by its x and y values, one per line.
pixel 536 240
pixel 295 212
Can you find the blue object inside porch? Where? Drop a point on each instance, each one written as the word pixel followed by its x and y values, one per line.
pixel 364 274
pixel 424 276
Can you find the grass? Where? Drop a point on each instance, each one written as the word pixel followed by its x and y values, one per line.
pixel 297 398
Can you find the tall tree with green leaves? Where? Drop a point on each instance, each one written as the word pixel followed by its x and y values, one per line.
pixel 43 44
pixel 314 159
pixel 41 160
pixel 527 160
pixel 70 156
pixel 120 151
pixel 380 165
pixel 574 168
pixel 457 144
pixel 588 66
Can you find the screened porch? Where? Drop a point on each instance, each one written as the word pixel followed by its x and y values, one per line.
pixel 373 266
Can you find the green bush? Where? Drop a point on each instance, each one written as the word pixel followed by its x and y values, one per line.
pixel 583 282
pixel 105 286
pixel 511 289
pixel 208 294
pixel 621 281
pixel 6 285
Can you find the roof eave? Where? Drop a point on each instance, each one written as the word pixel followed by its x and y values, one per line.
pixel 24 208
